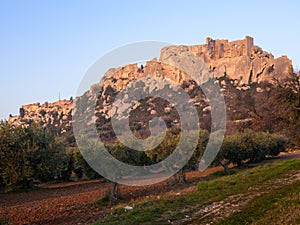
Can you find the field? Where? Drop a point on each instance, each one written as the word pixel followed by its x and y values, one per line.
pixel 266 194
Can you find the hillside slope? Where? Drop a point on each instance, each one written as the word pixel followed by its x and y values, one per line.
pixel 261 92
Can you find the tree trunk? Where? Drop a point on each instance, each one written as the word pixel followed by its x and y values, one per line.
pixel 27 184
pixel 175 178
pixel 182 177
pixel 239 163
pixel 114 194
pixel 224 165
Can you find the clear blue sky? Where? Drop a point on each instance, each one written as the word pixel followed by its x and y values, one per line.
pixel 47 46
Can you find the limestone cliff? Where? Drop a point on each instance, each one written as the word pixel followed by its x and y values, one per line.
pixel 57 115
pixel 248 77
pixel 240 60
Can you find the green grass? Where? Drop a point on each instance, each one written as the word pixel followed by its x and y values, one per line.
pixel 241 182
pixel 221 173
pixel 280 206
pixel 159 211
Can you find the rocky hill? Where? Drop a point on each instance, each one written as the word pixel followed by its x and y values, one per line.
pixel 261 92
pixel 57 115
pixel 242 60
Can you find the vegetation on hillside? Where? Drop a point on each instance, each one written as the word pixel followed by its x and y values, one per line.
pixel 249 146
pixel 33 154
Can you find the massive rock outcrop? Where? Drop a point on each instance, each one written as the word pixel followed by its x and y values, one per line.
pixel 247 75
pixel 240 60
pixel 57 115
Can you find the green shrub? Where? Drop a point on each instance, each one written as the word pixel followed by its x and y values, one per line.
pixel 250 146
pixel 30 154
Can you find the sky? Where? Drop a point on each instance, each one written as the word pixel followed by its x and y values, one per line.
pixel 47 46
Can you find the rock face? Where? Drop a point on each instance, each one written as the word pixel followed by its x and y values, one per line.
pixel 114 83
pixel 108 105
pixel 56 115
pixel 239 60
pixel 247 76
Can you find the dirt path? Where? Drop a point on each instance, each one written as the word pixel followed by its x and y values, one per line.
pixel 70 203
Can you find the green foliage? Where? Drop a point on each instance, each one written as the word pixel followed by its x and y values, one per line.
pixel 170 143
pixel 30 154
pixel 81 166
pixel 250 146
pixel 165 148
pixel 47 155
pixel 203 137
